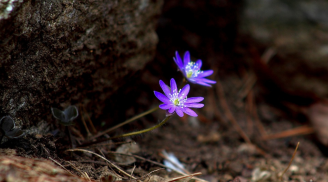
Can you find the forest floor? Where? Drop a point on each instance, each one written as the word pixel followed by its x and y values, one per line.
pixel 214 147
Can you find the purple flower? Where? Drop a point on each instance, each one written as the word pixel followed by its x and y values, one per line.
pixel 191 70
pixel 177 101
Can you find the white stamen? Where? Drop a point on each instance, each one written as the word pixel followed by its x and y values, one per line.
pixel 192 70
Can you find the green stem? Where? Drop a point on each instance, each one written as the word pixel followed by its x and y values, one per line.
pixel 125 122
pixel 129 134
pixel 145 130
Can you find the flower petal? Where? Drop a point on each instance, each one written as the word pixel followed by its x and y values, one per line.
pixel 208 81
pixel 172 109
pixel 199 63
pixel 205 73
pixel 178 60
pixel 165 106
pixel 200 82
pixel 204 84
pixel 189 112
pixel 173 86
pixel 184 91
pixel 194 99
pixel 179 112
pixel 186 58
pixel 165 88
pixel 194 105
pixel 162 97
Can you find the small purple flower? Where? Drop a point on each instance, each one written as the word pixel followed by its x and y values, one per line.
pixel 177 101
pixel 191 70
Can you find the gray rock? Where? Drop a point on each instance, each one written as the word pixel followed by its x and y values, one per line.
pixel 55 51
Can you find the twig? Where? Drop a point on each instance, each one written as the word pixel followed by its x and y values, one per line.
pixel 182 177
pixel 85 126
pixel 134 167
pixel 302 130
pixel 87 151
pixel 124 123
pixel 217 111
pixel 53 160
pixel 256 116
pixel 151 172
pixel 78 170
pixel 106 144
pixel 156 163
pixel 90 122
pixel 229 115
pixel 290 162
pixel 249 108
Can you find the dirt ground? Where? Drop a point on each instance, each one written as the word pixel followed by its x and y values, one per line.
pixel 247 131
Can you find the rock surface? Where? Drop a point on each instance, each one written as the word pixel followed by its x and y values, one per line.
pixel 71 52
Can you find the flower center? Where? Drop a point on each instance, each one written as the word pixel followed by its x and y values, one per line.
pixel 189 74
pixel 192 70
pixel 176 100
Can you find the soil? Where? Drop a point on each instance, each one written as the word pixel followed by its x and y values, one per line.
pixel 211 143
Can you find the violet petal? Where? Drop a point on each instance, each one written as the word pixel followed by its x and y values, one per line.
pixel 165 106
pixel 205 73
pixel 165 88
pixel 194 105
pixel 173 86
pixel 194 99
pixel 199 63
pixel 178 60
pixel 186 58
pixel 162 97
pixel 172 109
pixel 201 83
pixel 184 91
pixel 179 111
pixel 189 112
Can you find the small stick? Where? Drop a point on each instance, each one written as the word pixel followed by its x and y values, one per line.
pixel 87 151
pixel 302 130
pixel 53 160
pixel 124 123
pixel 90 122
pixel 249 108
pixel 86 127
pixel 228 113
pixel 106 144
pixel 78 170
pixel 290 162
pixel 156 163
pixel 182 177
pixel 257 119
pixel 134 167
pixel 151 173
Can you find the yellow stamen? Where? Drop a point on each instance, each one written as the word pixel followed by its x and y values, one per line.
pixel 189 74
pixel 176 102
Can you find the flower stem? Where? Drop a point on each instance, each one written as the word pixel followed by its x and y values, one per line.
pixel 129 134
pixel 124 123
pixel 145 130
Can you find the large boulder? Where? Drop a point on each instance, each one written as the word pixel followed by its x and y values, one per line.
pixel 63 51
